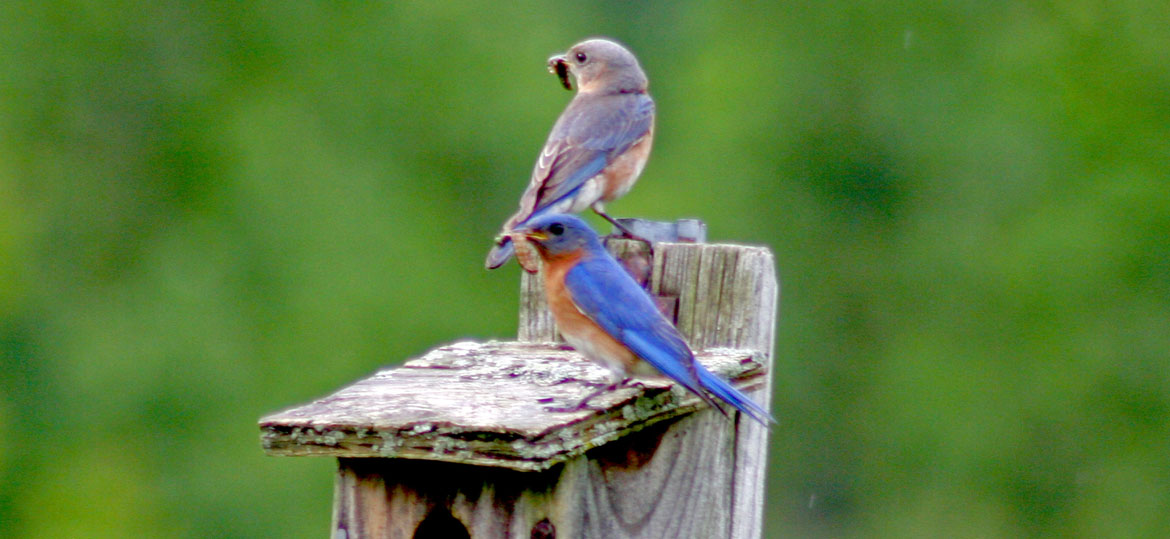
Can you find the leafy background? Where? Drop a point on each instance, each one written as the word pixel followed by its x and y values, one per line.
pixel 212 210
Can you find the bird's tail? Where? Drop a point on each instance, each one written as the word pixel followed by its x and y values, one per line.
pixel 720 388
pixel 500 253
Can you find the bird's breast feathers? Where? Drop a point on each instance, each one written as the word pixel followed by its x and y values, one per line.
pixel 576 326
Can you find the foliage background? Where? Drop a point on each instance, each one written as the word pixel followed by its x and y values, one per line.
pixel 212 210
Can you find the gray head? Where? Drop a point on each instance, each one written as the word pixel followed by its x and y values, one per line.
pixel 600 66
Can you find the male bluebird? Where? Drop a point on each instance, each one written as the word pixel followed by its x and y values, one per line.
pixel 603 313
pixel 598 146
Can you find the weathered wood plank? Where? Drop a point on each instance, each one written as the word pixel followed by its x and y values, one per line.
pixel 487 404
pixel 536 322
pixel 663 482
pixel 659 482
pixel 735 306
pixel 756 291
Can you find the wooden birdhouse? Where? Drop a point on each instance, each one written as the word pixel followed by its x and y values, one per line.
pixel 464 441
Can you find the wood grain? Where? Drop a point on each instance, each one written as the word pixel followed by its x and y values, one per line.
pixel 460 442
pixel 487 404
pixel 659 482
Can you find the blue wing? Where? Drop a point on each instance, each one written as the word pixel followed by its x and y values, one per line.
pixel 605 293
pixel 590 134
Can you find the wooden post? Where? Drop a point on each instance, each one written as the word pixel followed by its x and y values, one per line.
pixel 460 442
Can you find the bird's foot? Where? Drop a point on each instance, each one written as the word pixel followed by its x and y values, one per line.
pixel 583 404
pixel 630 382
pixel 626 232
pixel 585 383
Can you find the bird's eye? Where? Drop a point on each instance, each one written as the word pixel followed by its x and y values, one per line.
pixel 557 229
pixel 581 58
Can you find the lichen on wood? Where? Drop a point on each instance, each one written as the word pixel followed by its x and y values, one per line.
pixel 489 404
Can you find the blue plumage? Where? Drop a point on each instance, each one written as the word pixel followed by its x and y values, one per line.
pixel 601 290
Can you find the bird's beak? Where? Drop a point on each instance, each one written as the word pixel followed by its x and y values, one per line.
pixel 557 64
pixel 529 234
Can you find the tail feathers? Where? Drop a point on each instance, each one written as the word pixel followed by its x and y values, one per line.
pixel 500 253
pixel 720 388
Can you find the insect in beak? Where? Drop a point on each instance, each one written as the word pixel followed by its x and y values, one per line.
pixel 558 65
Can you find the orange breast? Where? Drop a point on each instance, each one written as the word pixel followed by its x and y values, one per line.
pixel 579 330
pixel 624 171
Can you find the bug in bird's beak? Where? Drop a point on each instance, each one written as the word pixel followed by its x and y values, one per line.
pixel 558 65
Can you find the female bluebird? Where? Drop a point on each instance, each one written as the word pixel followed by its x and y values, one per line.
pixel 598 146
pixel 603 313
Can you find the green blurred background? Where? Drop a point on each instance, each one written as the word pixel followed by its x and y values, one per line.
pixel 213 210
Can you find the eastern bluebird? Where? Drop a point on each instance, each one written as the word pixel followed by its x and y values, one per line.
pixel 603 313
pixel 598 146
